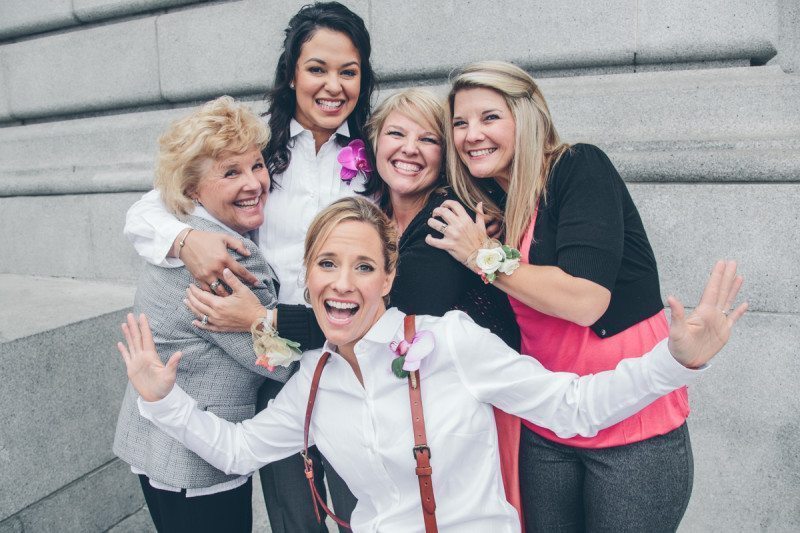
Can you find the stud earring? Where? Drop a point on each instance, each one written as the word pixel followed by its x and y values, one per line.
pixel 291 86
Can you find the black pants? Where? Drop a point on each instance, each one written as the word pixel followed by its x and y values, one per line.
pixel 639 487
pixel 172 512
pixel 286 493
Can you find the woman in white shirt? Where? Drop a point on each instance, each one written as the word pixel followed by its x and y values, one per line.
pixel 362 421
pixel 318 104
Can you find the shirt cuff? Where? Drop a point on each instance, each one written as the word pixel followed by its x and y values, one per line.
pixel 667 372
pixel 168 405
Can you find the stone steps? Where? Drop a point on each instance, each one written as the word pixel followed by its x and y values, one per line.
pixel 61 396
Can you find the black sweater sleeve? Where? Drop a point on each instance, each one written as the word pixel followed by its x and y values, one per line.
pixel 585 193
pixel 298 323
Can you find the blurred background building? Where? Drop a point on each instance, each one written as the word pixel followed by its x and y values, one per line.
pixel 697 103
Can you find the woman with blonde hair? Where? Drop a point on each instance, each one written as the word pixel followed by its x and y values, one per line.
pixel 351 398
pixel 211 174
pixel 586 296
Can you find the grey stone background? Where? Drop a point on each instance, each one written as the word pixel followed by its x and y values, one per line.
pixel 698 103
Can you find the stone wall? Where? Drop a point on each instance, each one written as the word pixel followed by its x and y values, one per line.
pixel 696 103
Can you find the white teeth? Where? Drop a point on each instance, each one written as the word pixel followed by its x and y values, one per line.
pixel 247 203
pixel 410 167
pixel 330 104
pixel 341 305
pixel 478 153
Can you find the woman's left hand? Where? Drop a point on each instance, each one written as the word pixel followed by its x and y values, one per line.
pixel 462 235
pixel 236 312
pixel 695 339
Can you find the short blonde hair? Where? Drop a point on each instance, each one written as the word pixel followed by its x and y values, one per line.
pixel 191 143
pixel 537 146
pixel 351 209
pixel 423 107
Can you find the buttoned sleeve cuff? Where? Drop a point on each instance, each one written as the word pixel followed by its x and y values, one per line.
pixel 169 408
pixel 666 373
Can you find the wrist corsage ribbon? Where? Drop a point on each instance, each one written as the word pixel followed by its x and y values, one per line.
pixel 353 159
pixel 494 257
pixel 271 349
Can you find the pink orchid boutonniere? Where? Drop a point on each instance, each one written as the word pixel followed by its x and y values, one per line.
pixel 353 159
pixel 410 354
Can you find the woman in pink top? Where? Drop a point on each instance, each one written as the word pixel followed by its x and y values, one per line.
pixel 588 284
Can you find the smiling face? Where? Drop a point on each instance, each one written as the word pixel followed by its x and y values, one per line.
pixel 234 189
pixel 408 156
pixel 327 82
pixel 347 282
pixel 484 133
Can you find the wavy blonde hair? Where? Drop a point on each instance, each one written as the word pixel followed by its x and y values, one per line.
pixel 189 146
pixel 537 146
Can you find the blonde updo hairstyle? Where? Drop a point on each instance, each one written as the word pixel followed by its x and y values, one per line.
pixel 537 146
pixel 351 209
pixel 423 107
pixel 191 144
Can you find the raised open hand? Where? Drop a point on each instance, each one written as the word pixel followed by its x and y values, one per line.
pixel 151 378
pixel 695 339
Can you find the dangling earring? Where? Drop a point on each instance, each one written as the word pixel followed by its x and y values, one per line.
pixel 307 296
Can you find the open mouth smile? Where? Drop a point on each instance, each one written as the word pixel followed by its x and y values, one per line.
pixel 340 312
pixel 482 152
pixel 329 105
pixel 406 167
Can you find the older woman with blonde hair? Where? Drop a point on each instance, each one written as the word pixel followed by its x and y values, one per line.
pixel 351 398
pixel 586 296
pixel 211 174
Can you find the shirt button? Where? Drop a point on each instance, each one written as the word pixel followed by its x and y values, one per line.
pixel 602 333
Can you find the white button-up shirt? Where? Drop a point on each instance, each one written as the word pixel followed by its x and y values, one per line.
pixel 310 183
pixel 366 434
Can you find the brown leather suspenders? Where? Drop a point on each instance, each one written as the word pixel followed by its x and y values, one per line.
pixel 422 453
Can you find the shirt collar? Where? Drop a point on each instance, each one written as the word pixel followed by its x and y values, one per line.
pixel 382 332
pixel 202 212
pixel 295 129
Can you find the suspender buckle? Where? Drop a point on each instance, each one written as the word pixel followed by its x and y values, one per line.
pixel 420 449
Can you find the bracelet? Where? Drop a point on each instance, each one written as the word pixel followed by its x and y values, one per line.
pixel 182 241
pixel 271 349
pixel 492 258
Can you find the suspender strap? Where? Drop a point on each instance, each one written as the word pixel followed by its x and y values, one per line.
pixel 308 463
pixel 421 451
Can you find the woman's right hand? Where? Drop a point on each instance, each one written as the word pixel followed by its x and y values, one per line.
pixel 151 378
pixel 206 255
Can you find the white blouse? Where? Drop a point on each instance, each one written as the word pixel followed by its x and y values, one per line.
pixel 310 183
pixel 365 432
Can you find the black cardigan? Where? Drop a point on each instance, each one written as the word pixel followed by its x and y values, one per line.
pixel 589 227
pixel 428 282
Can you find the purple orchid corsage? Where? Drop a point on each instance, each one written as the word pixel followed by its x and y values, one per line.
pixel 410 354
pixel 353 159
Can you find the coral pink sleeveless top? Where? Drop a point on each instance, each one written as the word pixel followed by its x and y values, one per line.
pixel 564 346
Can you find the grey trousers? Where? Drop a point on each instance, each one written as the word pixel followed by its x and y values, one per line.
pixel 639 487
pixel 289 505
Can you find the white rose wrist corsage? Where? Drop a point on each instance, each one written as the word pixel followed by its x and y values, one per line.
pixel 271 349
pixel 494 257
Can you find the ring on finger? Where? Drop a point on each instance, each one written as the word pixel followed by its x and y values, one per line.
pixel 726 312
pixel 204 320
pixel 215 284
pixel 443 228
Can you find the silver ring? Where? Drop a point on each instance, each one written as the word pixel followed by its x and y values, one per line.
pixel 204 321
pixel 444 227
pixel 726 311
pixel 215 285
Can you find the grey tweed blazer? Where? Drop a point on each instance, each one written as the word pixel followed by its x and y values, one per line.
pixel 217 369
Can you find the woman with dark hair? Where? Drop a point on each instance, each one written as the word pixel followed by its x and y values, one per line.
pixel 319 104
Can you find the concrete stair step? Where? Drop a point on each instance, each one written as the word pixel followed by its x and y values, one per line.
pixel 60 404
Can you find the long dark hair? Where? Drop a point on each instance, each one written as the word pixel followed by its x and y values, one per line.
pixel 333 16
